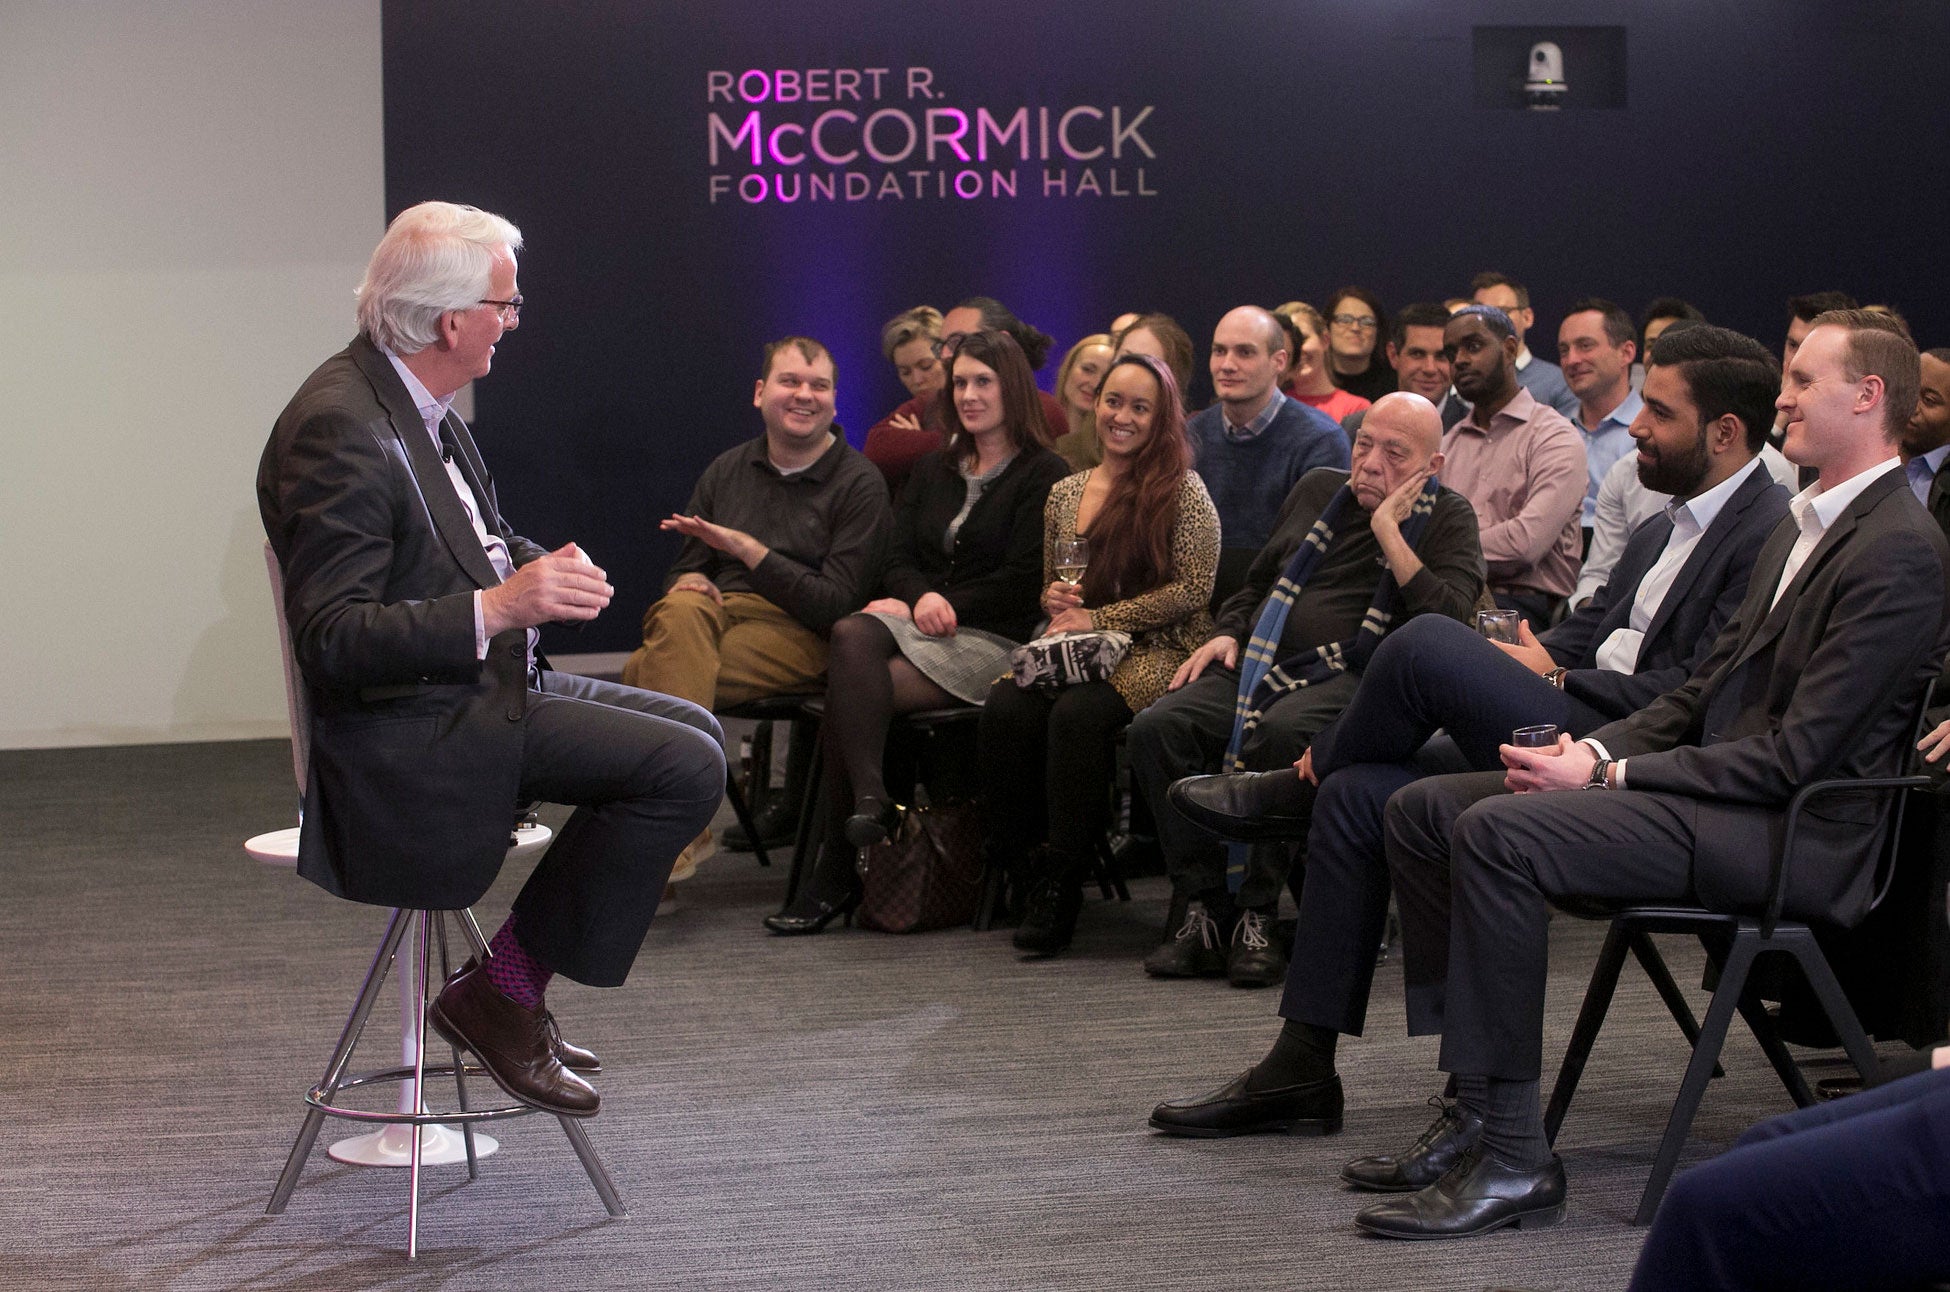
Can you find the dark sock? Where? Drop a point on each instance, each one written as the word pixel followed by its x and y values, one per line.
pixel 1219 905
pixel 1513 1119
pixel 1304 1052
pixel 514 972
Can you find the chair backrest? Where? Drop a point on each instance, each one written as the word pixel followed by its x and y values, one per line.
pixel 295 701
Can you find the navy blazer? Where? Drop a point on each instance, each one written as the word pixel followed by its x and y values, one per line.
pixel 1702 598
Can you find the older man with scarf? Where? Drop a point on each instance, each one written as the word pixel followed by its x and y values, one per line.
pixel 1354 554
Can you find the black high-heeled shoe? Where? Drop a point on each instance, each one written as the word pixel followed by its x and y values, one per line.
pixel 873 821
pixel 813 916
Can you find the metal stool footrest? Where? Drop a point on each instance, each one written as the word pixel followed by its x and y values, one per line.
pixel 321 1098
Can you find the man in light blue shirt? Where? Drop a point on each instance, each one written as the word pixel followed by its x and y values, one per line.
pixel 1596 344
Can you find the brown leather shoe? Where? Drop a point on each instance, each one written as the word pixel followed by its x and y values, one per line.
pixel 512 1043
pixel 571 1056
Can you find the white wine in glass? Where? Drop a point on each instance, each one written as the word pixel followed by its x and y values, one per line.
pixel 1072 559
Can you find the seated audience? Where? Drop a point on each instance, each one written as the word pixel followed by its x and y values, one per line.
pixel 909 340
pixel 1356 324
pixel 896 448
pixel 1047 757
pixel 1309 375
pixel 1312 609
pixel 1709 399
pixel 1076 386
pixel 1596 345
pixel 1541 378
pixel 1661 314
pixel 1520 464
pixel 963 575
pixel 1802 313
pixel 1159 336
pixel 1818 674
pixel 783 535
pixel 1421 364
pixel 1254 444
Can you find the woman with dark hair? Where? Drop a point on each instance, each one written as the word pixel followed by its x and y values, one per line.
pixel 962 580
pixel 1159 336
pixel 1048 757
pixel 1356 322
pixel 1076 386
pixel 1309 374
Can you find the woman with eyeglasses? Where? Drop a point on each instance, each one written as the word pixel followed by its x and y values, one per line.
pixel 1356 323
pixel 1076 386
pixel 1309 377
pixel 961 584
pixel 1048 757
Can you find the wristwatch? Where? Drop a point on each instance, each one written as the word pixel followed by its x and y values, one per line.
pixel 1600 772
pixel 1556 677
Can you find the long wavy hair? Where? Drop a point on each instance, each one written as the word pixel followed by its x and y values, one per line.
pixel 1130 539
pixel 1022 407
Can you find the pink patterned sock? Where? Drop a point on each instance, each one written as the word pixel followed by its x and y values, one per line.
pixel 514 972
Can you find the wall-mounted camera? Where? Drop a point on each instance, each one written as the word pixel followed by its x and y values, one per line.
pixel 1544 85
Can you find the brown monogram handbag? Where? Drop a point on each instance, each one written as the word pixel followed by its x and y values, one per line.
pixel 928 875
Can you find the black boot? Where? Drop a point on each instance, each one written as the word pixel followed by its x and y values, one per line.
pixel 1050 917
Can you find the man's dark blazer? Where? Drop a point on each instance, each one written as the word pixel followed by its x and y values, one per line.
pixel 415 744
pixel 1825 683
pixel 1705 593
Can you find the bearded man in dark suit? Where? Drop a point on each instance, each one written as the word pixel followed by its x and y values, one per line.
pixel 412 609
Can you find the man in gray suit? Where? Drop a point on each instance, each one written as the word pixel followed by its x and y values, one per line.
pixel 412 607
pixel 1819 674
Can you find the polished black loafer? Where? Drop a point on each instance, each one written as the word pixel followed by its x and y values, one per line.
pixel 1247 806
pixel 1478 1195
pixel 1310 1108
pixel 1454 1132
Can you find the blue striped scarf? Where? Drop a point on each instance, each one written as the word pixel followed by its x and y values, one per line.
pixel 1263 681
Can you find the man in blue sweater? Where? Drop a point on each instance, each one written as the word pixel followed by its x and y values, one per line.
pixel 1253 446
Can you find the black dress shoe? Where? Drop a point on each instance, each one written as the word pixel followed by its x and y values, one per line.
pixel 812 916
pixel 1256 958
pixel 571 1056
pixel 1454 1132
pixel 1310 1108
pixel 1247 806
pixel 511 1040
pixel 1478 1194
pixel 873 821
pixel 1049 920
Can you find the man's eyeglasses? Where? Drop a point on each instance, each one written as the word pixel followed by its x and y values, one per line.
pixel 510 310
pixel 1359 322
pixel 947 345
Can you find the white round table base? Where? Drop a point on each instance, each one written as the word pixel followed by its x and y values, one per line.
pixel 393 1146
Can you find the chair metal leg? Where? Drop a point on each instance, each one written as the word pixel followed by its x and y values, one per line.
pixel 598 1173
pixel 1591 1017
pixel 355 1026
pixel 1769 1035
pixel 1654 965
pixel 744 815
pixel 1706 1052
pixel 460 1065
pixel 1834 1002
pixel 812 823
pixel 419 1079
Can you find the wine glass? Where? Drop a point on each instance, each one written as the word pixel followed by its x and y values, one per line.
pixel 1072 559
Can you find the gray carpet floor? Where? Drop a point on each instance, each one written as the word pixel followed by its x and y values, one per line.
pixel 851 1111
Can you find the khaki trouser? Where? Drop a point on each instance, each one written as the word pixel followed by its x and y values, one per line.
pixel 721 656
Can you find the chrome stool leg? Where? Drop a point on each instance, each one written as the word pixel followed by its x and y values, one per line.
pixel 460 1067
pixel 419 1078
pixel 355 1025
pixel 598 1173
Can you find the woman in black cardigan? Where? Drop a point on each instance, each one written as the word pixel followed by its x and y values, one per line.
pixel 962 581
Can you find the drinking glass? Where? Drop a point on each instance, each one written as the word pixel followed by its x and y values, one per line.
pixel 1498 625
pixel 1541 736
pixel 1072 559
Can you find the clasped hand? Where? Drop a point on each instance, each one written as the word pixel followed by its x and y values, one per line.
pixel 565 585
pixel 1063 603
pixel 1567 766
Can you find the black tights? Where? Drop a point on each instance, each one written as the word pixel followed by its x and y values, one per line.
pixel 868 683
pixel 1048 760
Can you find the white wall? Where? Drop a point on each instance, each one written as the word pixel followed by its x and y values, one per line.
pixel 188 193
